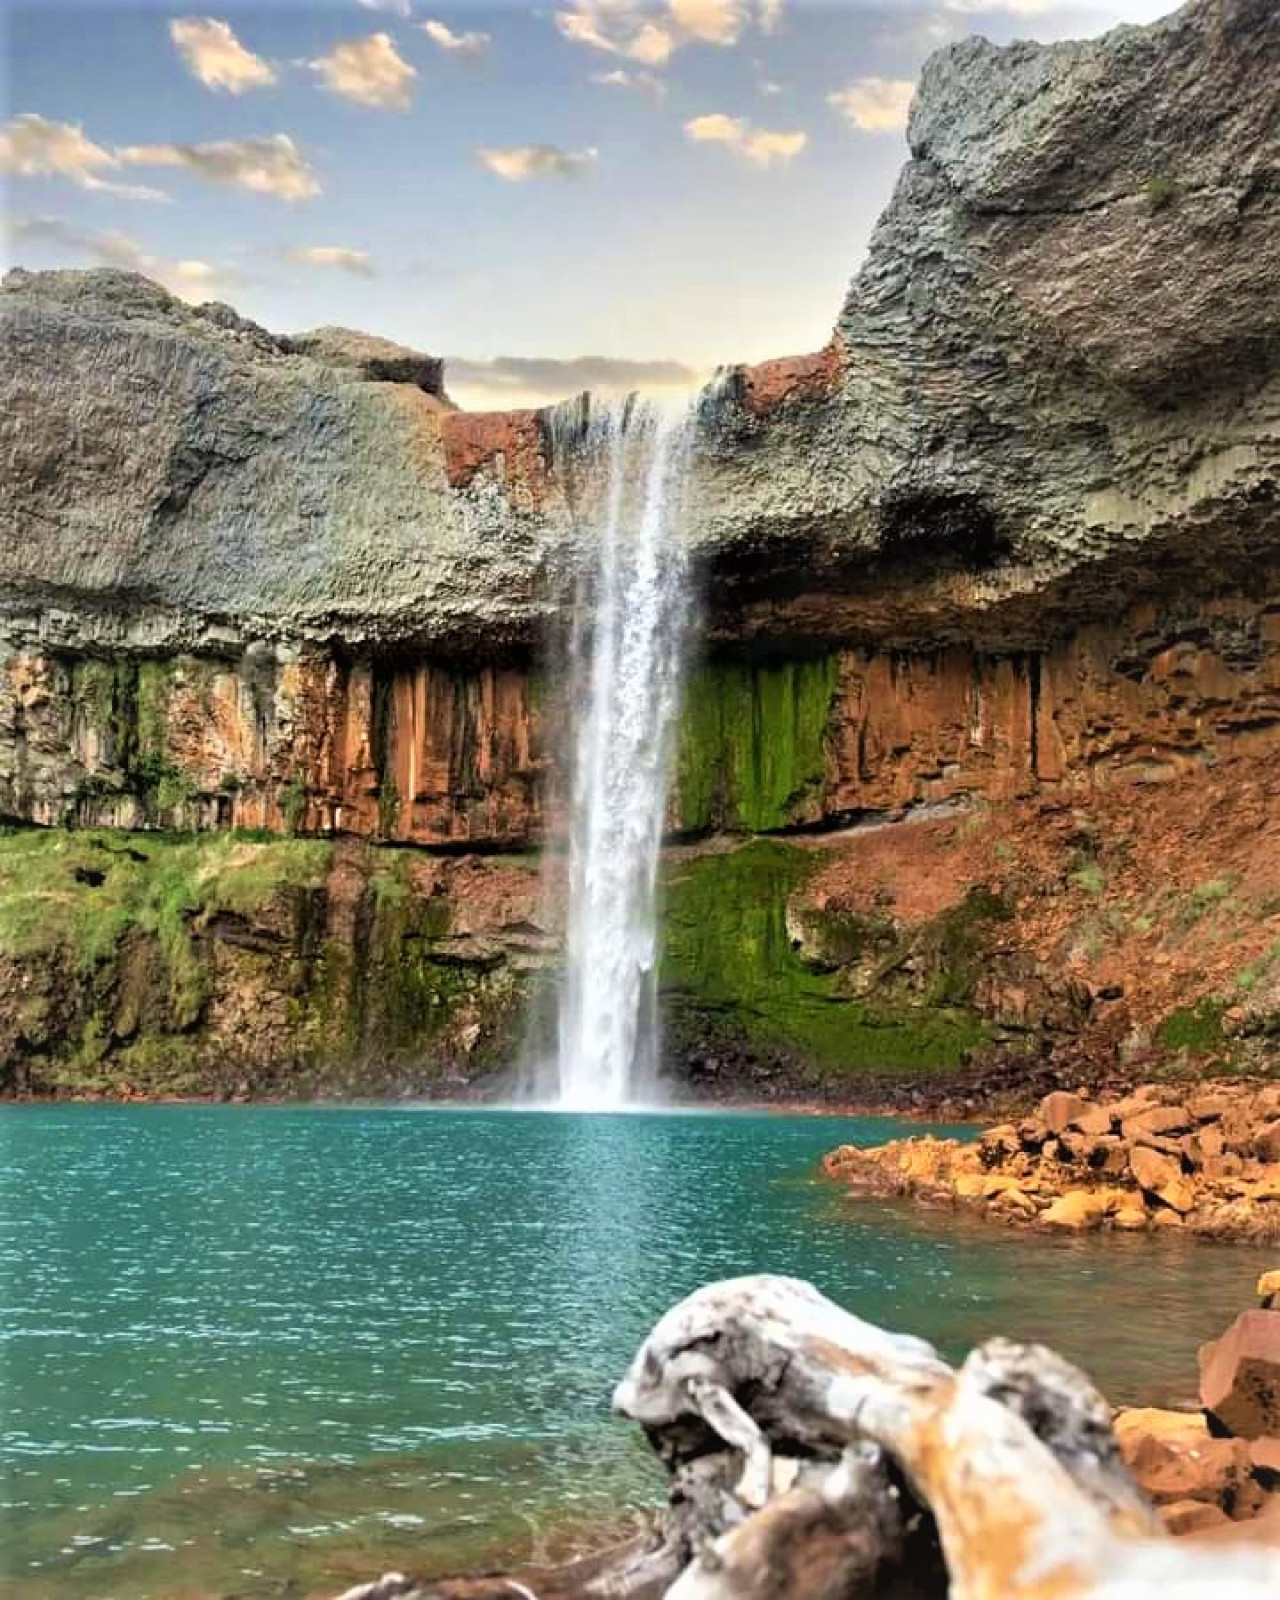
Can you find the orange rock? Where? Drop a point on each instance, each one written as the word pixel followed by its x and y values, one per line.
pixel 1061 1110
pixel 1211 1104
pixel 1205 1147
pixel 806 377
pixel 1268 1291
pixel 1192 1516
pixel 1107 1156
pixel 1079 1210
pixel 1266 1142
pixel 1262 1528
pixel 1161 1175
pixel 1174 1457
pixel 1094 1121
pixel 507 445
pixel 1240 1376
pixel 1159 1120
pixel 999 1144
pixel 1264 1457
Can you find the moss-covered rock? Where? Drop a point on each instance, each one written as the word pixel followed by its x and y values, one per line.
pixel 752 752
pixel 733 969
pixel 161 965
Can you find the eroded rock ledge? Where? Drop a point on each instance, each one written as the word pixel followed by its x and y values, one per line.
pixel 1026 513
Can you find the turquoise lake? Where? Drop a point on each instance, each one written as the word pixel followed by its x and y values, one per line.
pixel 272 1351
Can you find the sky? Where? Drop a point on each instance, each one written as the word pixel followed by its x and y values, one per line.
pixel 590 193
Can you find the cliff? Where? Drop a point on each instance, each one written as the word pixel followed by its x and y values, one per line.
pixel 1012 537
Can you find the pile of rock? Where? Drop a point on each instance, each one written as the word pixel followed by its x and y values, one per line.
pixel 1207 1162
pixel 1221 1465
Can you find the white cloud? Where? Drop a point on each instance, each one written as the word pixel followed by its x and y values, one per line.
pixel 620 78
pixel 711 21
pixel 335 256
pixel 875 105
pixel 620 29
pixel 369 71
pixel 32 146
pixel 1013 8
pixel 398 8
pixel 518 163
pixel 271 165
pixel 191 280
pixel 651 31
pixel 467 46
pixel 215 56
pixel 760 146
pixel 509 381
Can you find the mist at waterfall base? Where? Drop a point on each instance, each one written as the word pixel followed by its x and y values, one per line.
pixel 631 616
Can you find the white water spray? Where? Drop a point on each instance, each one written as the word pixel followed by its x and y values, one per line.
pixel 628 647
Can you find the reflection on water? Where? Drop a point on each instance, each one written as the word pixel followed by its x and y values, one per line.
pixel 257 1351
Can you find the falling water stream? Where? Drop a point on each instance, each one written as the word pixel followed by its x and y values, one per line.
pixel 630 620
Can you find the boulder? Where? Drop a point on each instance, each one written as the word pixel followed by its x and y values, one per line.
pixel 1240 1376
pixel 1131 1216
pixel 998 1144
pixel 1263 1527
pixel 1079 1210
pixel 1095 1121
pixel 1192 1516
pixel 1210 1105
pixel 1106 1155
pixel 1166 1121
pixel 1238 1128
pixel 1174 1457
pixel 1160 1175
pixel 1061 1110
pixel 1015 1202
pixel 1264 1458
pixel 1266 1142
pixel 1266 1103
pixel 1204 1148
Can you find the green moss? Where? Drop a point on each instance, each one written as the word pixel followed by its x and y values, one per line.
pixel 728 954
pixel 1196 1029
pixel 1163 193
pixel 1089 877
pixel 752 744
pixel 293 804
pixel 154 687
pixel 84 892
pixel 957 943
pixel 131 920
pixel 388 805
pixel 93 687
pixel 1250 976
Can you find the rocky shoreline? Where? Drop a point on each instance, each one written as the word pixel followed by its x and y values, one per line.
pixel 1204 1162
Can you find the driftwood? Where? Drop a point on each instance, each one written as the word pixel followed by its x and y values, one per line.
pixel 816 1457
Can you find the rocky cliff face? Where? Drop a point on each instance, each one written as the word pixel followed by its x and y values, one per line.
pixel 1014 533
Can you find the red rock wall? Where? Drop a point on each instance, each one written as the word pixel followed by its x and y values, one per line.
pixel 418 751
pixel 1140 702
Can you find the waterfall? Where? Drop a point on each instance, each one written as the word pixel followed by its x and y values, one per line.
pixel 628 642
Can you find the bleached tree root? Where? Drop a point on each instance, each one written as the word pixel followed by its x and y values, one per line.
pixel 1012 1456
pixel 817 1457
